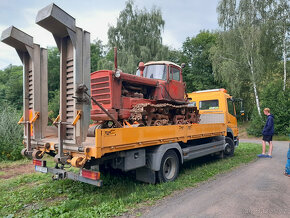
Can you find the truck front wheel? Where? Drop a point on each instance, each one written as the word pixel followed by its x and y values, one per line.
pixel 229 147
pixel 169 167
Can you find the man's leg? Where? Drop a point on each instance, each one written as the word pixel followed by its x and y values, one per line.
pixel 264 147
pixel 270 148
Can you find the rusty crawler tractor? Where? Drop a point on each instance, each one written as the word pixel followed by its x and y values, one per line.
pixel 155 96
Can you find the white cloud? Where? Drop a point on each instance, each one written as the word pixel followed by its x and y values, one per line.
pixel 97 22
pixel 8 55
pixel 169 39
pixel 182 19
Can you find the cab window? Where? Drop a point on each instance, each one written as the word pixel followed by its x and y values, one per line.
pixel 209 105
pixel 174 73
pixel 155 71
pixel 231 107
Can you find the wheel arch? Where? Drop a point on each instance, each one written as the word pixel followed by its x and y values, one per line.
pixel 230 133
pixel 154 156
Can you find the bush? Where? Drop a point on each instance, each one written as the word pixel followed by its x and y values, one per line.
pixel 274 98
pixel 11 134
pixel 53 105
pixel 256 125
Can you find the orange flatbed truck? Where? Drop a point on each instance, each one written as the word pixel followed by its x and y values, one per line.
pixel 155 153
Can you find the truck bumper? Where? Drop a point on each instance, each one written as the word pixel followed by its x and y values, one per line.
pixel 63 174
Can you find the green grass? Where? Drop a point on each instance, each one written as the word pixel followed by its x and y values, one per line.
pixel 4 164
pixel 281 138
pixel 37 196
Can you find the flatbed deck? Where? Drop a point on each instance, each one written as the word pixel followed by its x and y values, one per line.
pixel 112 140
pixel 119 139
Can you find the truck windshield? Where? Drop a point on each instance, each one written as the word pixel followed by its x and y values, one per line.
pixel 155 71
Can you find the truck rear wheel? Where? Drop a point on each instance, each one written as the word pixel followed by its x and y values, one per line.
pixel 169 167
pixel 229 147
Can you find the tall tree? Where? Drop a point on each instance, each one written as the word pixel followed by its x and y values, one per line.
pixel 97 53
pixel 198 72
pixel 53 71
pixel 137 36
pixel 11 86
pixel 247 33
pixel 283 13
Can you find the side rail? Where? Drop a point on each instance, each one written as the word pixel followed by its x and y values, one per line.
pixel 113 140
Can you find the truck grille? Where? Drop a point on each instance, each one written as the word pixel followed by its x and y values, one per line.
pixel 101 91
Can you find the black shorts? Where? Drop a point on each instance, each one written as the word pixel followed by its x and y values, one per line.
pixel 267 138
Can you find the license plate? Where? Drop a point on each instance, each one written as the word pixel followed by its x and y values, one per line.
pixel 41 169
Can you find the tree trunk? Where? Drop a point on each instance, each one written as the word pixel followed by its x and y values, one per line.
pixel 250 61
pixel 285 61
pixel 255 86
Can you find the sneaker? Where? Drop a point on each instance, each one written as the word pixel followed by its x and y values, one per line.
pixel 268 156
pixel 261 155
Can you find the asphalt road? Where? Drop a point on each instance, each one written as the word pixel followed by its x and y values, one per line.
pixel 256 190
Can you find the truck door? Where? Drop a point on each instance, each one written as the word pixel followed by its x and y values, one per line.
pixel 175 85
pixel 231 116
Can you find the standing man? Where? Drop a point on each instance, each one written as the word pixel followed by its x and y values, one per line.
pixel 268 133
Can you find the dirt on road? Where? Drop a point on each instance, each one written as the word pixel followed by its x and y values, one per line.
pixel 12 171
pixel 256 190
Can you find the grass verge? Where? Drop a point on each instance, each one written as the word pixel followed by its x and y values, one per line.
pixel 281 138
pixel 4 164
pixel 37 196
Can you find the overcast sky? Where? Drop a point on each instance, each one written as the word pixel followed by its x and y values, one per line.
pixel 183 18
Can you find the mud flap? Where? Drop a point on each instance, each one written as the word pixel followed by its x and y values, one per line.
pixel 146 175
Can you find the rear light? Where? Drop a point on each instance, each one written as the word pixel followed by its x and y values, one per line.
pixel 90 174
pixel 41 163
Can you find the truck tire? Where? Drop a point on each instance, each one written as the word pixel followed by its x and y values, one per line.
pixel 229 147
pixel 169 167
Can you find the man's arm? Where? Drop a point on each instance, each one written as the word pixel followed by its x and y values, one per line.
pixel 269 124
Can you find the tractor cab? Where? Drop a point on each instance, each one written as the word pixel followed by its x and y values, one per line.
pixel 169 75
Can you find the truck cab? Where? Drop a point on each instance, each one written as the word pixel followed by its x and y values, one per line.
pixel 216 106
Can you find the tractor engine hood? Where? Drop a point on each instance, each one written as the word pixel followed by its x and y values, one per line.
pixel 138 80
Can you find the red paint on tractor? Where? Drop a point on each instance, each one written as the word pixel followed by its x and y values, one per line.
pixel 154 83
